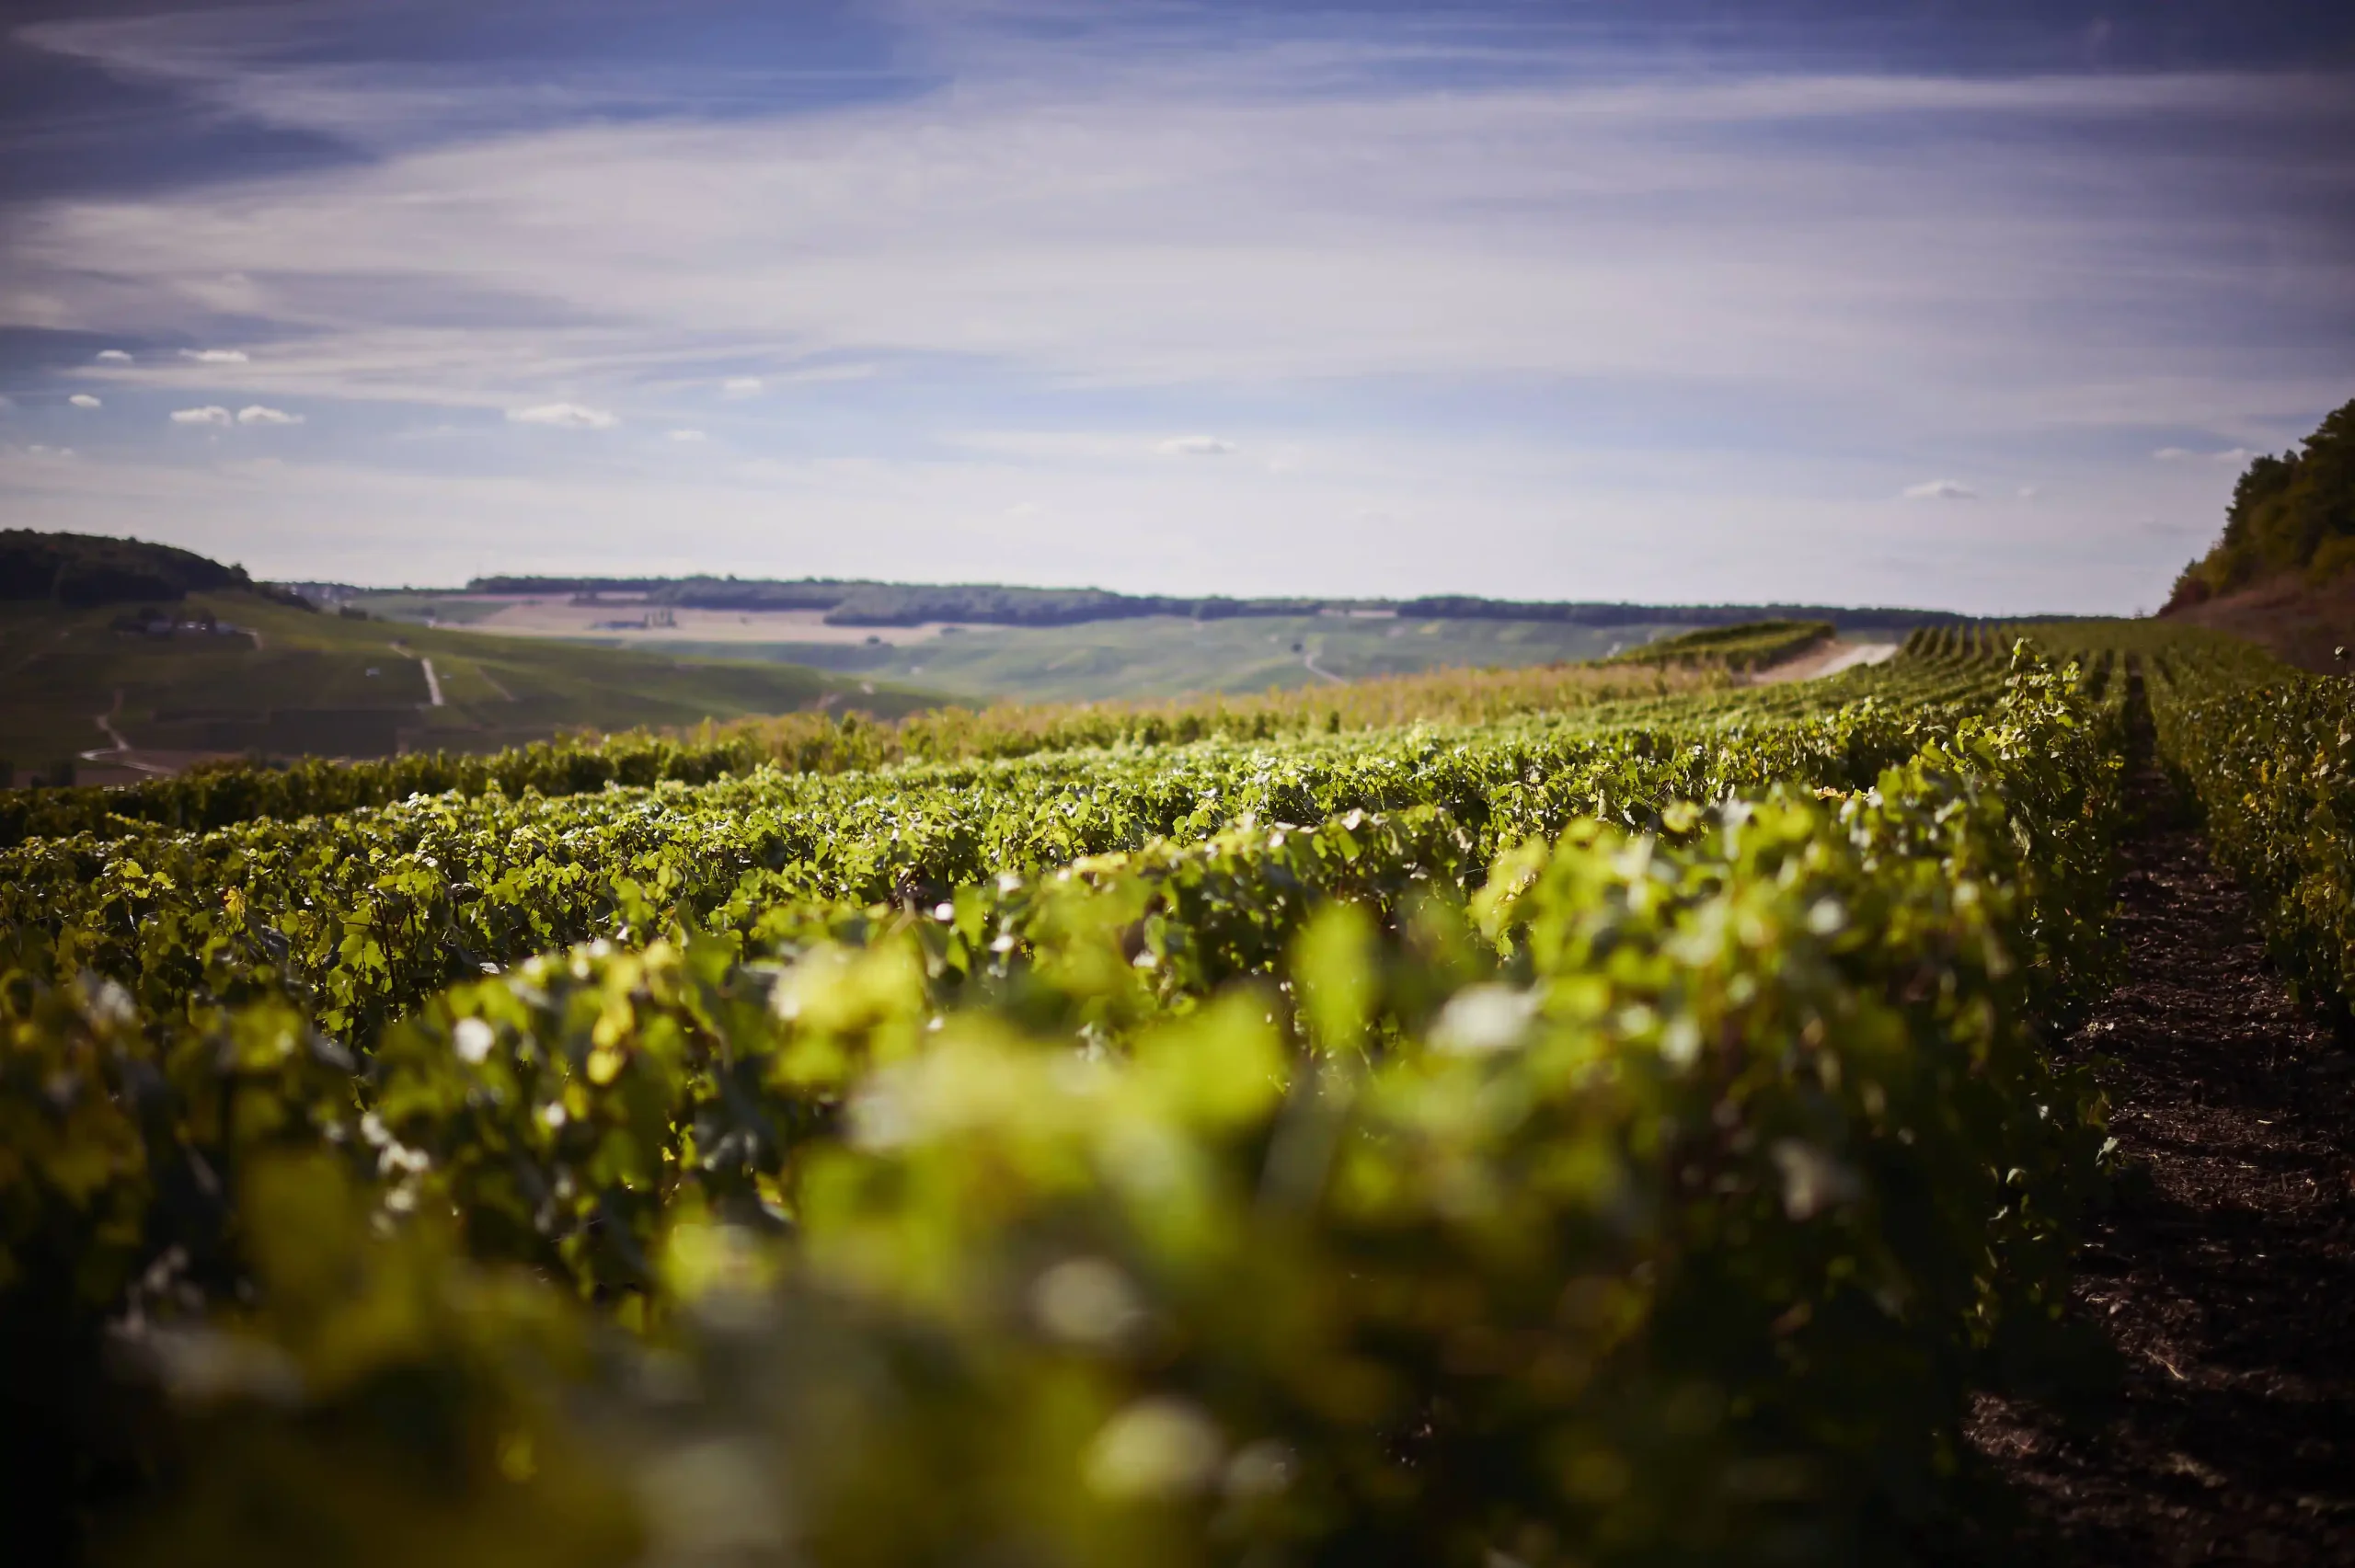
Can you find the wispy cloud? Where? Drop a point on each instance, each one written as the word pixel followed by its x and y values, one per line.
pixel 212 414
pixel 1941 490
pixel 564 415
pixel 256 414
pixel 113 357
pixel 2184 455
pixel 1523 520
pixel 1138 232
pixel 689 437
pixel 1462 241
pixel 84 400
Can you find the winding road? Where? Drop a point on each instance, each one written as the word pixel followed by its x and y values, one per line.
pixel 121 754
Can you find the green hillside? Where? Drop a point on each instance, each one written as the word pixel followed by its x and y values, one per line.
pixel 1752 645
pixel 2291 514
pixel 1116 658
pixel 228 670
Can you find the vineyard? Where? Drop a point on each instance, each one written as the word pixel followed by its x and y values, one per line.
pixel 1593 1115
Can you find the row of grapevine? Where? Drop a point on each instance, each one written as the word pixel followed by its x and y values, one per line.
pixel 358 916
pixel 2269 753
pixel 817 742
pixel 1259 1195
pixel 1981 640
pixel 2265 751
pixel 1754 646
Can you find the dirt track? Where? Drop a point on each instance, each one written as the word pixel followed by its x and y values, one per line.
pixel 2228 1286
pixel 1830 659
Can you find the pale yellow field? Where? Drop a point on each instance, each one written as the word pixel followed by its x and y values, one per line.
pixel 559 618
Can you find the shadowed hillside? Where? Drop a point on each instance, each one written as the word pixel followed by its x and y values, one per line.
pixel 2283 571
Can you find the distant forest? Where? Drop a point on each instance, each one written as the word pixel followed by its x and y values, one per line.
pixel 860 603
pixel 77 569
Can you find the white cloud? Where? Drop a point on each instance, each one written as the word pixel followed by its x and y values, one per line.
pixel 52 453
pixel 1139 230
pixel 213 415
pixel 215 356
pixel 687 436
pixel 1531 519
pixel 563 416
pixel 2184 455
pixel 741 386
pixel 1941 490
pixel 2029 492
pixel 113 357
pixel 255 414
pixel 84 400
pixel 1864 256
pixel 1122 448
pixel 1196 446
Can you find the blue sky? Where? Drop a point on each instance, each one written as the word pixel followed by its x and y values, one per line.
pixel 1972 307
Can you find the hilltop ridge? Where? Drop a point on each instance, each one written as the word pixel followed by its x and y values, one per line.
pixel 80 570
pixel 2283 572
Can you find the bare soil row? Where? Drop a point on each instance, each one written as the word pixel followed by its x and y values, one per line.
pixel 2226 1282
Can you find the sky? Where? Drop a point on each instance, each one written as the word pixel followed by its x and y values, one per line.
pixel 1978 306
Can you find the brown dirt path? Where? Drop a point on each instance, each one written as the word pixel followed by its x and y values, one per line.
pixel 1829 657
pixel 2228 1285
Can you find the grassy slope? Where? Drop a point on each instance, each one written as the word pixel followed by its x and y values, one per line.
pixel 1753 644
pixel 59 667
pixel 1170 655
pixel 2296 621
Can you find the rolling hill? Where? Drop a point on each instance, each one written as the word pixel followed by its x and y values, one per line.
pixel 1056 644
pixel 161 671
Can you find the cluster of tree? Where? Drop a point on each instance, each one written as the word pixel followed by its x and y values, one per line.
pixel 2294 512
pixel 1592 614
pixel 886 604
pixel 81 570
pixel 540 585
